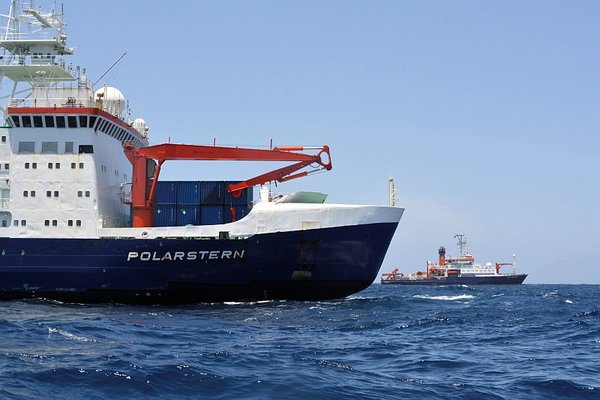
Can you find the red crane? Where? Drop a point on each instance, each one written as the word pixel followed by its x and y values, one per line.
pixel 147 162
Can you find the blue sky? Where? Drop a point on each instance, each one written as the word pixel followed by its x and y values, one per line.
pixel 486 113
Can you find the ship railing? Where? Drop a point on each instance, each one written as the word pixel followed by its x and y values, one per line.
pixel 36 59
pixel 19 36
pixel 74 102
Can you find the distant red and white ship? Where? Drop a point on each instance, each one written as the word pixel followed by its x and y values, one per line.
pixel 461 270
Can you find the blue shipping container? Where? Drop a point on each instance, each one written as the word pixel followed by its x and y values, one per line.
pixel 240 212
pixel 164 215
pixel 212 193
pixel 188 192
pixel 188 215
pixel 211 215
pixel 166 192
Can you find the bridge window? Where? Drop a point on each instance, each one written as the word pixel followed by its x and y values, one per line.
pixel 49 121
pixel 83 120
pixel 37 121
pixel 102 125
pixel 72 120
pixel 16 121
pixel 92 121
pixel 60 121
pixel 26 121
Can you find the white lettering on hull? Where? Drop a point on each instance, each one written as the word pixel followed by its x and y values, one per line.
pixel 183 256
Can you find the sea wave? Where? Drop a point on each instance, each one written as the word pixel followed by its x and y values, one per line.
pixel 445 298
pixel 388 342
pixel 70 335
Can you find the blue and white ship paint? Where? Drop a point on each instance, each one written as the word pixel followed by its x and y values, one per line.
pixel 65 229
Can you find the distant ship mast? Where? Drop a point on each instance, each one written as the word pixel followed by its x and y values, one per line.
pixel 462 244
pixel 393 197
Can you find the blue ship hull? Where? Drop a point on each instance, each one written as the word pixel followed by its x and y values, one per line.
pixel 513 279
pixel 301 265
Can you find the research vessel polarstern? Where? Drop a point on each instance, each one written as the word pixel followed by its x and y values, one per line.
pixel 460 270
pixel 78 184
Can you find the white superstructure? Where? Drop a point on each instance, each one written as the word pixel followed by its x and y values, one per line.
pixel 62 167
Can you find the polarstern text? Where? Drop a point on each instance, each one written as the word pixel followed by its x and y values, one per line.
pixel 182 255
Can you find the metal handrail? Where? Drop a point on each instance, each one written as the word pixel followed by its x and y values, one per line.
pixel 69 101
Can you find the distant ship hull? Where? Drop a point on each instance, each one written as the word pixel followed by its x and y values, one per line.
pixel 314 264
pixel 512 279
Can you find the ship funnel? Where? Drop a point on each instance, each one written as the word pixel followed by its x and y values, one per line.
pixel 442 254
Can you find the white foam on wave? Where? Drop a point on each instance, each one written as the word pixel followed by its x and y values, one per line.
pixel 70 335
pixel 244 303
pixel 445 298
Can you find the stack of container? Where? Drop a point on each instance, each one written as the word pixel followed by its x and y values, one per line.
pixel 181 203
pixel 166 203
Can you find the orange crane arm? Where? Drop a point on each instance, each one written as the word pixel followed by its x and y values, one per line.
pixel 147 162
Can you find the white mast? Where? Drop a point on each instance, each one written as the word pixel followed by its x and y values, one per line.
pixel 462 244
pixel 34 42
pixel 393 197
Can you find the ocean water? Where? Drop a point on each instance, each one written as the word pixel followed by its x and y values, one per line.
pixel 486 342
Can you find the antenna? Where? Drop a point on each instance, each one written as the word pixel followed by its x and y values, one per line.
pixel 393 198
pixel 462 244
pixel 111 67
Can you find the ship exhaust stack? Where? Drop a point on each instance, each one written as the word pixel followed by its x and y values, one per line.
pixel 442 254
